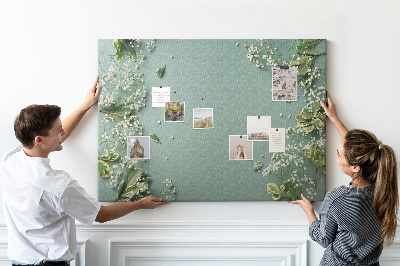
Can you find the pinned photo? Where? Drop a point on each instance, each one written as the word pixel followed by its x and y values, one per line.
pixel 258 128
pixel 138 147
pixel 174 112
pixel 203 118
pixel 240 148
pixel 284 84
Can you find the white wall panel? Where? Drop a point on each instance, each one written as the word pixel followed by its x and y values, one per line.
pixel 197 244
pixel 216 252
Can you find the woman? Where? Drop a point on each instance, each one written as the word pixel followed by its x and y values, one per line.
pixel 357 220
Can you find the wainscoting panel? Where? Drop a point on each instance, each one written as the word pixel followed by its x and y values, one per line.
pixel 239 252
pixel 205 244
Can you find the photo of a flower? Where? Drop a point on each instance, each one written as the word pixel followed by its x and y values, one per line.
pixel 174 112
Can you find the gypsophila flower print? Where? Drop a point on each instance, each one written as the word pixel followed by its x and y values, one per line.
pixel 296 170
pixel 122 98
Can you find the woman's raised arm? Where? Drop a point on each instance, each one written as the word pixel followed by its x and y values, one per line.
pixel 330 111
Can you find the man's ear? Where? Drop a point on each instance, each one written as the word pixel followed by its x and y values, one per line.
pixel 356 168
pixel 39 140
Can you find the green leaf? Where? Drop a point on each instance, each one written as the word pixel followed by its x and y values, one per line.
pixel 310 40
pixel 129 49
pixel 318 123
pixel 123 46
pixel 257 166
pixel 104 169
pixel 316 155
pixel 121 189
pixel 307 129
pixel 304 67
pixel 275 191
pixel 145 175
pixel 305 113
pixel 119 113
pixel 316 105
pixel 307 47
pixel 321 117
pixel 100 168
pixel 291 190
pixel 155 138
pixel 300 60
pixel 129 193
pixel 160 72
pixel 110 157
pixel 119 47
pixel 134 177
pixel 299 118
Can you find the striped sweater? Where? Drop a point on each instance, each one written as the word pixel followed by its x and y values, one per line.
pixel 348 227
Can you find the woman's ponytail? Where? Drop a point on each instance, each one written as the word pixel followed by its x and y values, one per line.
pixel 379 166
pixel 386 203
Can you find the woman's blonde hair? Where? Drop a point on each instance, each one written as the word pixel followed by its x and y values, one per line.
pixel 378 165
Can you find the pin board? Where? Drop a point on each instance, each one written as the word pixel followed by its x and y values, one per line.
pixel 211 120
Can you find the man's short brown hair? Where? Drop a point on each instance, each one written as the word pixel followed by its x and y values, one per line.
pixel 35 120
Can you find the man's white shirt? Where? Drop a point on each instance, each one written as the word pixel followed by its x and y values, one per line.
pixel 41 206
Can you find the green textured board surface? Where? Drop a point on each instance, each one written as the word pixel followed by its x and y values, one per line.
pixel 234 77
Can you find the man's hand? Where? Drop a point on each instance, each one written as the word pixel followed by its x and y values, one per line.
pixel 115 211
pixel 70 123
pixel 307 207
pixel 150 202
pixel 92 95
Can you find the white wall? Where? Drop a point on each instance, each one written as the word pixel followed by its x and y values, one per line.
pixel 48 54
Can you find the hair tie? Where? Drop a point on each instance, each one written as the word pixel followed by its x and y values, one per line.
pixel 380 147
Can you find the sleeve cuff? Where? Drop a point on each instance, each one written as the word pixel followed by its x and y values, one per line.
pixel 312 226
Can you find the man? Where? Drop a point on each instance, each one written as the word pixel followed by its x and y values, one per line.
pixel 42 204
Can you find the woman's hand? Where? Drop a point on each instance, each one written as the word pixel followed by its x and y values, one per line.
pixel 329 108
pixel 330 111
pixel 307 207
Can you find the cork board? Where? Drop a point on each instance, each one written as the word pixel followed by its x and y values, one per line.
pixel 228 101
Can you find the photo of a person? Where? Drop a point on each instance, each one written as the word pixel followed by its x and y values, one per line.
pixel 240 148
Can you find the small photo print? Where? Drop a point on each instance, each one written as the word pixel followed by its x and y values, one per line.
pixel 240 148
pixel 174 112
pixel 258 128
pixel 203 118
pixel 284 84
pixel 138 147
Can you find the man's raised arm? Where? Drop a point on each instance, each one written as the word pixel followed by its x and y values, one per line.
pixel 70 123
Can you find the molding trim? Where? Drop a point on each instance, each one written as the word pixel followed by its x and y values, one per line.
pixel 182 252
pixel 189 226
